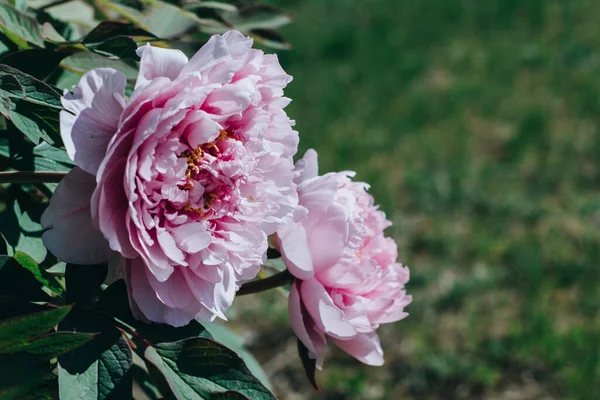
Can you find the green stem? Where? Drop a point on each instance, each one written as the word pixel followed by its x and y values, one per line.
pixel 31 176
pixel 274 281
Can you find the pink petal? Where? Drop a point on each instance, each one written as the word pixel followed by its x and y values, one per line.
pixel 192 237
pixel 146 299
pixel 365 347
pixel 216 49
pixel 174 292
pixel 294 249
pixel 203 291
pixel 111 209
pixel 231 99
pixel 72 236
pixel 238 43
pixel 157 62
pixel 169 247
pixel 91 116
pixel 307 167
pixel 200 128
pixel 327 316
pixel 304 326
pixel 329 238
pixel 316 194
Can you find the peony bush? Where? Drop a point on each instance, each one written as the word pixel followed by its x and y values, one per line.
pixel 176 186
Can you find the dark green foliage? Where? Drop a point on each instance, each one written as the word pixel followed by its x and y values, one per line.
pixel 110 29
pixel 21 230
pixel 15 330
pixel 83 282
pixel 28 61
pixel 101 368
pixel 201 368
pixel 20 28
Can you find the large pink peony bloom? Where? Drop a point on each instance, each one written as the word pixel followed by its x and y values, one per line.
pixel 184 180
pixel 347 279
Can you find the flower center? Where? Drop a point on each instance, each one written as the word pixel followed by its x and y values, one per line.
pixel 198 164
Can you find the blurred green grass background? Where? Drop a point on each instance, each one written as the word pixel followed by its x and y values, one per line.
pixel 476 123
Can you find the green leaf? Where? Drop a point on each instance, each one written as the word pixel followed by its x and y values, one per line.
pixel 110 29
pixel 263 16
pixel 109 39
pixel 30 104
pixel 50 34
pixel 4 146
pixel 22 233
pixel 35 121
pixel 83 281
pixel 270 38
pixel 211 18
pixel 38 63
pixel 24 377
pixel 16 281
pixel 51 345
pixel 162 19
pixel 20 28
pixel 19 85
pixel 216 5
pixel 20 5
pixel 122 47
pixel 101 368
pixel 236 343
pixel 201 368
pixel 23 374
pixel 82 62
pixel 138 5
pixel 49 158
pixel 23 328
pixel 38 273
pixel 13 307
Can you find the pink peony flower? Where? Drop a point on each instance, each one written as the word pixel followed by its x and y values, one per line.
pixel 347 279
pixel 184 180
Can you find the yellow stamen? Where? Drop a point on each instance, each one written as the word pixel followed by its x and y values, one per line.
pixel 187 207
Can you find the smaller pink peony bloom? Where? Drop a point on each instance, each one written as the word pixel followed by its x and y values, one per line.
pixel 184 180
pixel 347 279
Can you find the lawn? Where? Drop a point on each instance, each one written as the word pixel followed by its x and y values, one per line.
pixel 477 125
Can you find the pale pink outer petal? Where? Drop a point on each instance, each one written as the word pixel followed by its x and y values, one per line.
pixel 156 305
pixel 156 62
pixel 365 347
pixel 293 245
pixel 233 98
pixel 71 236
pixel 316 194
pixel 217 49
pixel 91 116
pixel 304 327
pixel 110 210
pixel 327 316
pixel 329 237
pixel 307 167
